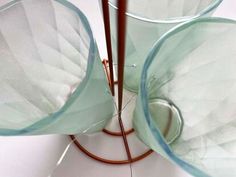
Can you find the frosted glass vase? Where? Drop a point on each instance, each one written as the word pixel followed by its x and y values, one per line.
pixel 52 79
pixel 186 104
pixel 147 21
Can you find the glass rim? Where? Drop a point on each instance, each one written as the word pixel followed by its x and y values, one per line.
pixel 144 96
pixel 213 5
pixel 47 120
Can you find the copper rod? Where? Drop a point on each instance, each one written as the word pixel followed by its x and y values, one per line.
pixel 121 50
pixel 113 133
pixel 121 59
pixel 104 62
pixel 121 162
pixel 118 134
pixel 109 161
pixel 106 18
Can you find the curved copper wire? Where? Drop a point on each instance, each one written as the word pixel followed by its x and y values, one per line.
pixel 121 57
pixel 112 133
pixel 109 161
pixel 121 162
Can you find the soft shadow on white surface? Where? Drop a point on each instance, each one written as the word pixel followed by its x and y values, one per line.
pixel 33 156
pixel 37 156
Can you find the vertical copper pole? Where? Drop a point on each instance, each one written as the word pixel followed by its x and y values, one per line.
pixel 121 60
pixel 106 18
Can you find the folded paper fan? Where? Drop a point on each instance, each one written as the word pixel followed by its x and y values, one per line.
pixel 186 107
pixel 51 76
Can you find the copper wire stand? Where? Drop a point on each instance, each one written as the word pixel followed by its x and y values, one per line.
pixel 108 67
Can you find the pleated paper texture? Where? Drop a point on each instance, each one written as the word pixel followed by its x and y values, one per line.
pixel 192 70
pixel 147 21
pixel 51 76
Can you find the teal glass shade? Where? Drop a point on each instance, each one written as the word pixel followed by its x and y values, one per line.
pixel 147 21
pixel 51 76
pixel 186 105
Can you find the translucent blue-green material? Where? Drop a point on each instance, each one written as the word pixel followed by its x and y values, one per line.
pixel 146 22
pixel 192 68
pixel 51 76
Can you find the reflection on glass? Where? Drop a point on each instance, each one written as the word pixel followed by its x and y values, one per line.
pixel 52 79
pixel 192 68
pixel 147 21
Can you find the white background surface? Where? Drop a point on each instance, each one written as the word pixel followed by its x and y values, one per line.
pixel 36 156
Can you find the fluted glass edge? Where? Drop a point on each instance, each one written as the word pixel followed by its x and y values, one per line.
pixel 204 12
pixel 93 52
pixel 143 96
